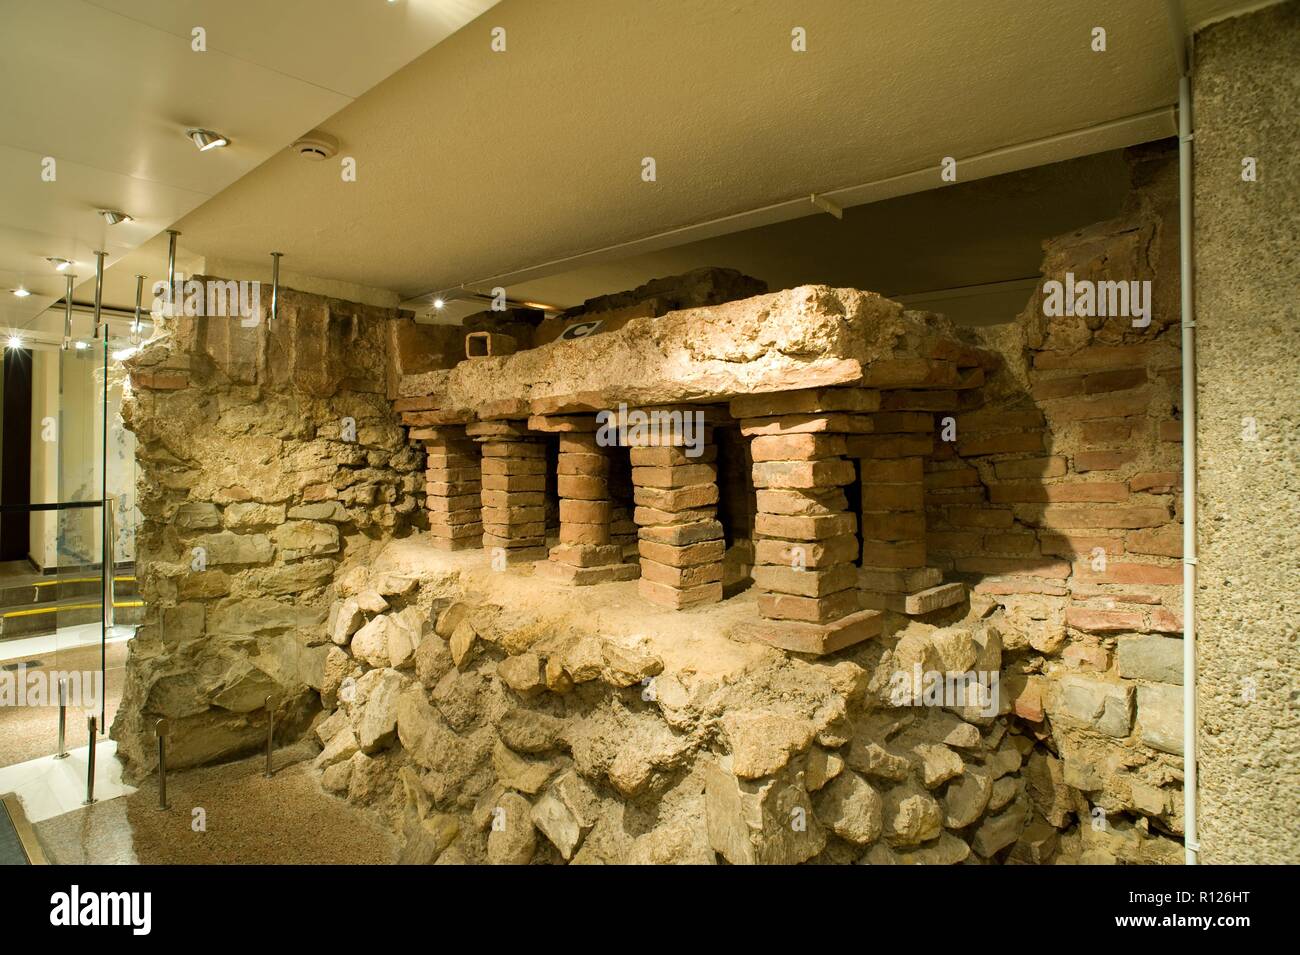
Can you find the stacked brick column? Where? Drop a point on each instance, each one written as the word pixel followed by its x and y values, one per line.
pixel 679 537
pixel 514 484
pixel 806 543
pixel 894 574
pixel 452 488
pixel 586 553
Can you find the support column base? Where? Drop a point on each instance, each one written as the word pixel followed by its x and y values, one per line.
pixel 585 576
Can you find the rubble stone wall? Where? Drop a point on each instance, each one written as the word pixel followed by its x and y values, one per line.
pixel 268 455
pixel 1060 501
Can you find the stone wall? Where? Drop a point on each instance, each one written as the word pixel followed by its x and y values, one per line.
pixel 1059 501
pixel 268 457
pixel 1248 361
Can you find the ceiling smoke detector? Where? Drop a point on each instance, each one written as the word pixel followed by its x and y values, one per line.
pixel 316 146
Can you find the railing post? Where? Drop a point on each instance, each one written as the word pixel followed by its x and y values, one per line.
pixel 161 729
pixel 63 719
pixel 92 727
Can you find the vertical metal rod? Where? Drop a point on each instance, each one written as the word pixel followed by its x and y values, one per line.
pixel 99 288
pixel 161 728
pixel 270 737
pixel 67 313
pixel 63 719
pixel 169 308
pixel 110 559
pixel 275 284
pixel 90 762
pixel 139 298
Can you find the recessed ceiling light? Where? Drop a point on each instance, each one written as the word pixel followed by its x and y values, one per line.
pixel 438 303
pixel 207 139
pixel 114 216
pixel 22 292
pixel 60 265
pixel 15 341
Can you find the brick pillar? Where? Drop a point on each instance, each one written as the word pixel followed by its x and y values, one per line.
pixel 452 488
pixel 680 539
pixel 806 545
pixel 514 489
pixel 894 574
pixel 586 553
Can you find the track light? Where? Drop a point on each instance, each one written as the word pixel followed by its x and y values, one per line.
pixel 60 265
pixel 114 216
pixel 21 292
pixel 206 139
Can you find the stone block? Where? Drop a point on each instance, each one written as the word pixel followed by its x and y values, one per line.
pixel 811 638
pixel 1160 717
pixel 1108 707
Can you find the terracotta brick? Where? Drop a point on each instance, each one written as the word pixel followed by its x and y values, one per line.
pixel 579 444
pixel 514 482
pixel 514 466
pixel 1158 481
pixel 1073 492
pixel 896 471
pixel 654 517
pixel 955 542
pixel 1099 358
pixel 587 555
pixel 680 577
pixel 1086 656
pixel 806 583
pixel 674 477
pixel 1011 544
pixel 687 556
pixel 1125 516
pixel 681 534
pixel 676 499
pixel 1108 596
pixel 451 488
pixel 890 445
pixel 458 502
pixel 1161 541
pixel 807 424
pixel 968 497
pixel 800 501
pixel 1171 430
pixel 796 447
pixel 911 373
pixel 1046 388
pixel 893 497
pixel 901 554
pixel 668 457
pixel 1053 466
pixel 976 517
pixel 581 487
pixel 1028 702
pixel 586 512
pixel 677 599
pixel 1107 430
pixel 808 401
pixel 1028 566
pixel 831 472
pixel 515 531
pixel 587 465
pixel 988 420
pixel 513 515
pixel 1103 460
pixel 900 422
pixel 836 550
pixel 791 527
pixel 572 532
pixel 1117 573
pixel 1087 409
pixel 1103 621
pixel 1165 621
pixel 1064 545
pixel 1119 380
pixel 777 606
pixel 455 531
pixel 513 449
pixel 918 401
pixel 898 581
pixel 952 477
pixel 1010 586
pixel 498 498
pixel 1008 443
pixel 890 526
pixel 450 475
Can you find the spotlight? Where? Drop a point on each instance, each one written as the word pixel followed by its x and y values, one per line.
pixel 206 139
pixel 82 346
pixel 21 292
pixel 60 265
pixel 438 303
pixel 114 216
pixel 15 342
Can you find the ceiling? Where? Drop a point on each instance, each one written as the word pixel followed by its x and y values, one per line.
pixel 108 87
pixel 477 168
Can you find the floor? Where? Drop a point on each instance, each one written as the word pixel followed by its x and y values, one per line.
pixel 227 814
